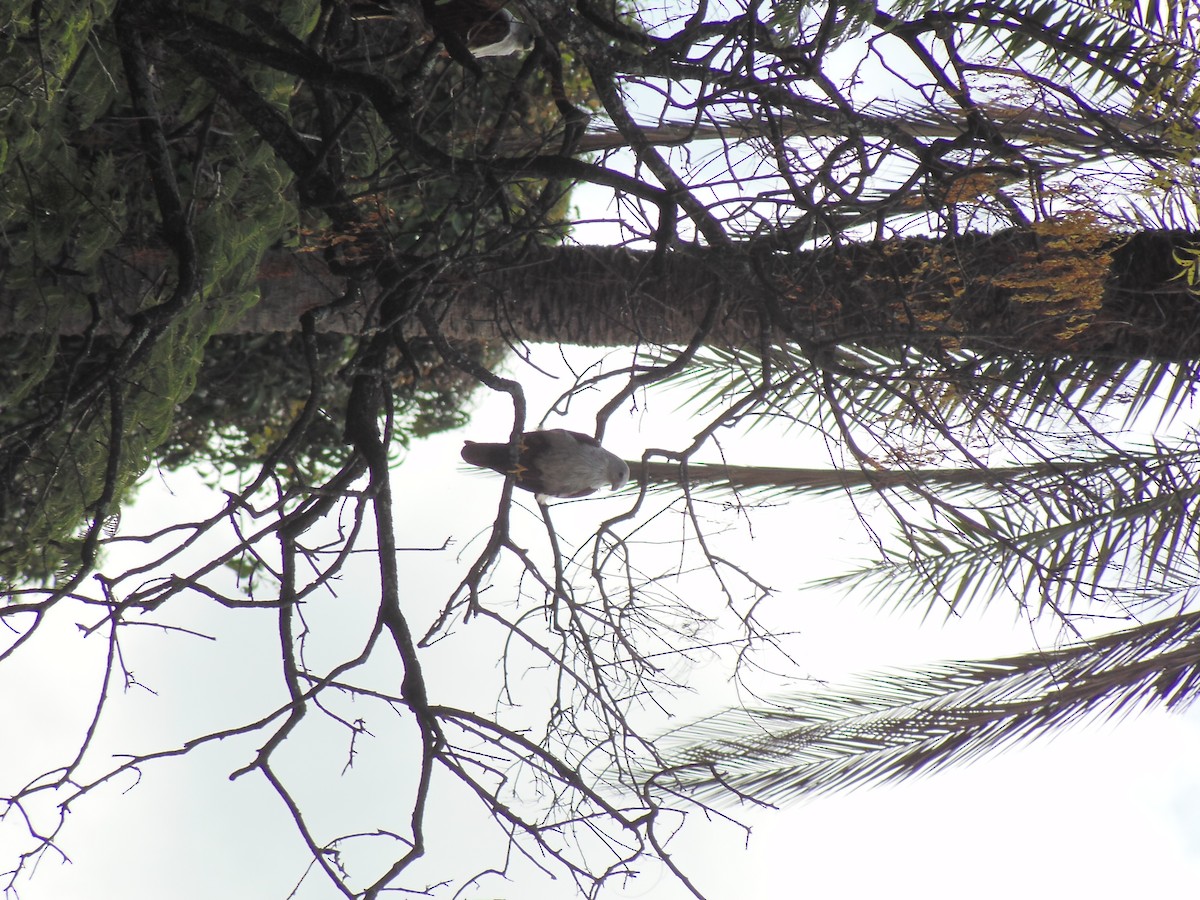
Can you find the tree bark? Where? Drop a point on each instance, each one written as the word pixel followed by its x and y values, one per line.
pixel 1064 289
pixel 1041 292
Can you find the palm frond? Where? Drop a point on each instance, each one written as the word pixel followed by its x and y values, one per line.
pixel 1053 134
pixel 1102 46
pixel 893 726
pixel 786 482
pixel 934 395
pixel 1050 534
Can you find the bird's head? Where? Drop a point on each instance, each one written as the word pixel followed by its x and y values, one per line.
pixel 618 473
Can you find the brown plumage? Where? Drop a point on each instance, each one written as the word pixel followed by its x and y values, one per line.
pixel 554 463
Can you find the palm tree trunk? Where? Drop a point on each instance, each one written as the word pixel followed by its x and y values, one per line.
pixel 1057 289
pixel 1072 291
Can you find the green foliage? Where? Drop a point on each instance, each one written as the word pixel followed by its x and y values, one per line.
pixel 425 211
pixel 73 191
pixel 1100 45
pixel 1188 259
pixel 78 209
pixel 797 23
pixel 1073 534
pixel 251 390
pixel 958 392
pixel 1082 515
pixel 57 205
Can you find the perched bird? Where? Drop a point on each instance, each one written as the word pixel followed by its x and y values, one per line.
pixel 469 29
pixel 482 27
pixel 554 463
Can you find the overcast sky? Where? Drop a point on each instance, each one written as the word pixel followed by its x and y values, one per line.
pixel 1103 812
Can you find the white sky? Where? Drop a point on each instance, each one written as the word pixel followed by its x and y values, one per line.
pixel 1102 812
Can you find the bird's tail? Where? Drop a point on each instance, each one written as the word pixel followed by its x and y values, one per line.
pixel 486 456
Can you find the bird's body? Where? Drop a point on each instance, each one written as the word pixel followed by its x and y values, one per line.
pixel 554 463
pixel 483 27
pixel 470 29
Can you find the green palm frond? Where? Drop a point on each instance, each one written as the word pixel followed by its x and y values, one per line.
pixel 892 726
pixel 1050 534
pixel 871 380
pixel 1046 532
pixel 1074 523
pixel 1029 391
pixel 875 386
pixel 1103 46
pixel 785 482
pixel 794 21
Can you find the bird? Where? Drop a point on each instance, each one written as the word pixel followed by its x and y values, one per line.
pixel 553 463
pixel 468 29
pixel 482 27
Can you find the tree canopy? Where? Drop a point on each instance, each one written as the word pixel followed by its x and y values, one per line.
pixel 954 245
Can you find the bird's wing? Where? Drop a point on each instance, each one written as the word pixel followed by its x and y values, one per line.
pixel 533 479
pixel 580 493
pixel 542 456
pixel 544 498
pixel 582 438
pixel 451 21
pixel 489 30
pixel 555 439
